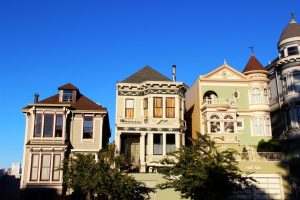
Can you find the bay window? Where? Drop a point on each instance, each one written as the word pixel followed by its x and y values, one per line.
pixel 170 143
pixel 45 167
pixel 48 125
pixel 34 167
pixel 56 165
pixel 256 96
pixel 145 107
pixel 296 79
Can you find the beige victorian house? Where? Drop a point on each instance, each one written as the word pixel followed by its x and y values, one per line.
pixel 149 117
pixel 55 127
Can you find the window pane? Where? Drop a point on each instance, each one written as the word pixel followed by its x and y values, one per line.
pixel 157 107
pixel 170 107
pixel 129 108
pixel 292 51
pixel 56 165
pixel 45 168
pixel 170 143
pixel 34 167
pixel 215 127
pixel 158 144
pixel 256 96
pixel 67 95
pixel 58 125
pixel 229 127
pixel 38 125
pixel 88 128
pixel 145 107
pixel 48 125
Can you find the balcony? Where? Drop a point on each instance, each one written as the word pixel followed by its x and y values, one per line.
pixel 219 104
pixel 225 138
pixel 124 120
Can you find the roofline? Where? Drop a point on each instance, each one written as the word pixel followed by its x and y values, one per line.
pixel 90 111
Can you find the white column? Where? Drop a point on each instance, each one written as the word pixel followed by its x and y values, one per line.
pixel 142 152
pixel 177 140
pixel 150 143
pixel 183 139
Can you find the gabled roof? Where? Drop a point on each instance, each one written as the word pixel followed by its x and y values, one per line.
pixel 68 86
pixel 81 103
pixel 145 74
pixel 290 31
pixel 253 65
pixel 230 74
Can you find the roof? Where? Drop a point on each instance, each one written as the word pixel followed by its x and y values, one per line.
pixel 82 102
pixel 290 31
pixel 68 86
pixel 146 74
pixel 253 65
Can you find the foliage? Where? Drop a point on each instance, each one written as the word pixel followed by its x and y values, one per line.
pixel 272 145
pixel 101 179
pixel 201 171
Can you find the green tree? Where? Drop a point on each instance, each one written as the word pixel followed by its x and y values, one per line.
pixel 201 171
pixel 272 145
pixel 101 179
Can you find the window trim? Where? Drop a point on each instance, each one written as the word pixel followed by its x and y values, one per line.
pixel 154 108
pixel 126 108
pixel 167 107
pixel 31 167
pixel 41 167
pixel 83 120
pixel 53 167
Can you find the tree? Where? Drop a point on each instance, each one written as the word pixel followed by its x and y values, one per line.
pixel 101 179
pixel 272 145
pixel 201 171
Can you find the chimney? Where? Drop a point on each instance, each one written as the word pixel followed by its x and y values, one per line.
pixel 36 97
pixel 174 72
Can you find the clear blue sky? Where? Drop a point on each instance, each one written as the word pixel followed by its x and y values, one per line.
pixel 94 43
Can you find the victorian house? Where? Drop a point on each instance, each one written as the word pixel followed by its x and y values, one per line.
pixel 233 109
pixel 285 85
pixel 55 128
pixel 149 117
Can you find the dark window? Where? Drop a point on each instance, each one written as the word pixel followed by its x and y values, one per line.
pixel 158 144
pixel 88 127
pixel 67 95
pixel 292 51
pixel 48 125
pixel 282 54
pixel 58 125
pixel 170 140
pixel 38 125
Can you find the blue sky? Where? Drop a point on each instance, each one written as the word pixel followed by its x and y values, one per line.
pixel 93 44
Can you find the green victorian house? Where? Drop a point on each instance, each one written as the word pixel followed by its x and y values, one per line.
pixel 233 109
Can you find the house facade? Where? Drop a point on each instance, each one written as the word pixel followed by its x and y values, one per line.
pixel 149 117
pixel 233 109
pixel 55 128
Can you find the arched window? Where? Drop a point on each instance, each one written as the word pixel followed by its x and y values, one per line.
pixel 256 96
pixel 209 96
pixel 214 117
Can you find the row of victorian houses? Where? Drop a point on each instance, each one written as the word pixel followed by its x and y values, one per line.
pixel 155 115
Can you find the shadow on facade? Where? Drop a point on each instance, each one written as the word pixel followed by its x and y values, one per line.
pixel 9 187
pixel 39 194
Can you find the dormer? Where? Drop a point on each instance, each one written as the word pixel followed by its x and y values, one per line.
pixel 68 93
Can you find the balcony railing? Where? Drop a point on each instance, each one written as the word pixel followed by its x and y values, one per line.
pixel 132 120
pixel 261 156
pixel 218 102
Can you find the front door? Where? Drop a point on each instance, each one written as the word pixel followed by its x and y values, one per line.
pixel 132 149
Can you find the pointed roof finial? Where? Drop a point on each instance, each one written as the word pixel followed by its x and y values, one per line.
pixel 292 18
pixel 225 62
pixel 252 49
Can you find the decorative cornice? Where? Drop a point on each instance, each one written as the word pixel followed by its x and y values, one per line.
pixel 150 91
